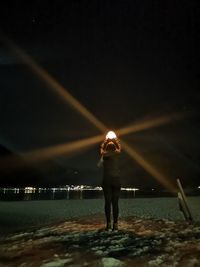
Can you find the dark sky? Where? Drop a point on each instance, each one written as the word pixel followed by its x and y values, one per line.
pixel 125 61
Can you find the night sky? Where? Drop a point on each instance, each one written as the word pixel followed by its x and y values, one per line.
pixel 125 61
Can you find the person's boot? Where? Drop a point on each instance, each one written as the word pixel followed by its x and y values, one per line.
pixel 108 226
pixel 115 226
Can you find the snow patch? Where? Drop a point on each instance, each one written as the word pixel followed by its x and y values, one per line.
pixel 111 262
pixel 57 263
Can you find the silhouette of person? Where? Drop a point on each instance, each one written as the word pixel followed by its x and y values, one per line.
pixel 110 152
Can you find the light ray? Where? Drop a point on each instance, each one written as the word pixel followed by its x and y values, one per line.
pixel 65 95
pixel 52 84
pixel 44 153
pixel 151 123
pixel 162 179
pixel 49 152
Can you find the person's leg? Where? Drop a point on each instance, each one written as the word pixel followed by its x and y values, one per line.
pixel 107 197
pixel 115 206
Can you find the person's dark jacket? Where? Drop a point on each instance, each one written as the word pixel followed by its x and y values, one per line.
pixel 111 168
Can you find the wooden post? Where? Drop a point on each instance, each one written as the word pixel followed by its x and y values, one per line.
pixel 182 207
pixel 183 202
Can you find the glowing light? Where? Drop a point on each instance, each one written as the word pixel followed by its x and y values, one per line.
pixel 111 135
pixel 67 148
pixel 29 190
pixel 66 96
pixel 42 154
pixel 129 189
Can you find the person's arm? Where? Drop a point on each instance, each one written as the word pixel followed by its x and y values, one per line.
pixel 100 162
pixel 117 144
pixel 104 143
pixel 103 146
pixel 101 151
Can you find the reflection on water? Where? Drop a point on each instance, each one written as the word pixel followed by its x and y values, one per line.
pixel 49 195
pixel 61 195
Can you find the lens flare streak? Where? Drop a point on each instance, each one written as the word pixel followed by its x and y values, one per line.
pixel 140 126
pixel 52 84
pixel 47 153
pixel 148 167
pixel 73 146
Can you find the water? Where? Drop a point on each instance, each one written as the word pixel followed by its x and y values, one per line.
pixel 50 195
pixel 20 194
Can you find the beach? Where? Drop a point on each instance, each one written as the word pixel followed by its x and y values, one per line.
pixel 152 232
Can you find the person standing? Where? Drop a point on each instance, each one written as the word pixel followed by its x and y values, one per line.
pixel 110 151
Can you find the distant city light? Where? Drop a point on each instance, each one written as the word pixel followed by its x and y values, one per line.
pixel 129 189
pixel 68 188
pixel 29 190
pixel 111 135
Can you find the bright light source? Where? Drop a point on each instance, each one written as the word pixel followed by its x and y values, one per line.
pixel 29 190
pixel 111 135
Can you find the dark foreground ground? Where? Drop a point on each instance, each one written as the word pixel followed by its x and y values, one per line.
pixel 83 242
pixel 152 232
